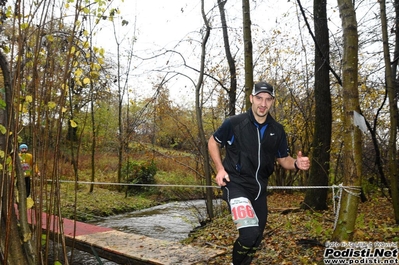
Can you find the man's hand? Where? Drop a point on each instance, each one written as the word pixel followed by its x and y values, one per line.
pixel 302 162
pixel 222 177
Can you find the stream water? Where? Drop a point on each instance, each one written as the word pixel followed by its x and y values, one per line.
pixel 172 221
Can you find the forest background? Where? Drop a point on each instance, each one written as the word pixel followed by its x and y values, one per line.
pixel 94 113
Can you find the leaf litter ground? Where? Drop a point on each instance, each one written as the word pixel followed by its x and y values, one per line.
pixel 296 236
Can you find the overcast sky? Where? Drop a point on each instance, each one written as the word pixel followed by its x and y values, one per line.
pixel 162 24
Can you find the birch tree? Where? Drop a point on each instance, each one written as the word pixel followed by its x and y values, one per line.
pixel 344 229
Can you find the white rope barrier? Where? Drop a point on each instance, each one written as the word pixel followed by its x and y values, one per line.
pixel 200 186
pixel 338 197
pixel 133 184
pixel 351 190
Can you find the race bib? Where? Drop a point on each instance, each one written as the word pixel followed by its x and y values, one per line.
pixel 243 213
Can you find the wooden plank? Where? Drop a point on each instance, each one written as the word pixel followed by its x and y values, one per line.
pixel 126 248
pixel 129 248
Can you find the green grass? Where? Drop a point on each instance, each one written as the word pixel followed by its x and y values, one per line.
pixel 173 168
pixel 106 202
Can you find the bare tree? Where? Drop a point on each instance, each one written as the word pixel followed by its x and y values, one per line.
pixel 317 198
pixel 232 92
pixel 198 111
pixel 393 110
pixel 248 62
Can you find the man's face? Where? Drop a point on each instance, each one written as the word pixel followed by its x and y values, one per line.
pixel 24 150
pixel 261 104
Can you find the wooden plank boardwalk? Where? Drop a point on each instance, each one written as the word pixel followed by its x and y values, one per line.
pixel 127 248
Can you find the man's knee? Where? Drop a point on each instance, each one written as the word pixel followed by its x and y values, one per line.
pixel 250 236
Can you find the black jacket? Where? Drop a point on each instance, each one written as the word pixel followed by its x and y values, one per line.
pixel 250 157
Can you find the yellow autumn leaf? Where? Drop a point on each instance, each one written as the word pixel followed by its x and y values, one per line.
pixel 22 108
pixel 6 49
pixel 24 25
pixel 3 129
pixel 29 203
pixel 94 75
pixel 51 104
pixel 29 63
pixel 28 99
pixel 63 109
pixel 73 124
pixel 78 72
pixel 86 80
pixel 44 240
pixel 95 66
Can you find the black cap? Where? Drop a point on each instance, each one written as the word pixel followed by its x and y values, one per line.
pixel 263 87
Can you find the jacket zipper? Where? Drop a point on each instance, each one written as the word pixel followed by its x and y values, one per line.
pixel 257 170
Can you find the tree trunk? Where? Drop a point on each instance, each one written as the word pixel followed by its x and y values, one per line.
pixel 352 153
pixel 248 62
pixel 10 245
pixel 317 198
pixel 11 249
pixel 198 112
pixel 393 111
pixel 93 138
pixel 121 141
pixel 232 92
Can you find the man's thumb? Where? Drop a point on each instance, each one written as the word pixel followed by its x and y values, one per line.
pixel 227 178
pixel 299 154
